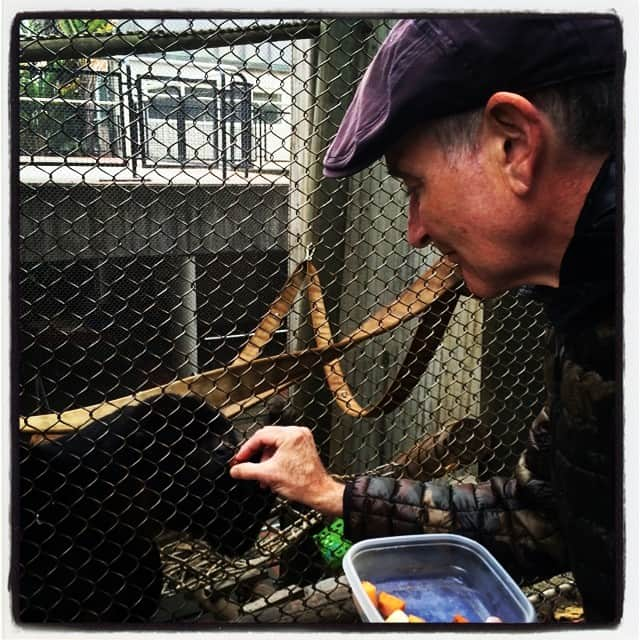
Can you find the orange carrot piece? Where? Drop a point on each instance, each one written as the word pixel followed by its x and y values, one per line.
pixel 459 618
pixel 413 618
pixel 370 590
pixel 388 603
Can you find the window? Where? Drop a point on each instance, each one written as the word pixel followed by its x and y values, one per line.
pixel 236 121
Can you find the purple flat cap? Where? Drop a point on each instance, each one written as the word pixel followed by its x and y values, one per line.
pixel 443 65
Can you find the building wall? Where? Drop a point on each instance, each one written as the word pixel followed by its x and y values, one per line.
pixel 123 288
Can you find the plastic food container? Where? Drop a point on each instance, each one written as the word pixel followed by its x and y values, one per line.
pixel 438 575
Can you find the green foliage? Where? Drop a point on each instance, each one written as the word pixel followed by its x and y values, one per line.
pixel 61 118
pixel 44 28
pixel 73 27
pixel 57 78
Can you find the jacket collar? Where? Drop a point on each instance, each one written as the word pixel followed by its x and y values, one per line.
pixel 591 253
pixel 588 268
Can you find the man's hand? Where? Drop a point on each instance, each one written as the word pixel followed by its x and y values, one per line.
pixel 290 466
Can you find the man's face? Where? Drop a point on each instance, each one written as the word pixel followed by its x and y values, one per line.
pixel 460 202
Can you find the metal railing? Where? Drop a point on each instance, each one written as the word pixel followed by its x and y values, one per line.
pixel 183 123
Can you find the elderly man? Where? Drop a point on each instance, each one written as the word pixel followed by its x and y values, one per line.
pixel 503 130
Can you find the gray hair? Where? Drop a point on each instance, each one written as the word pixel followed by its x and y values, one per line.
pixel 583 112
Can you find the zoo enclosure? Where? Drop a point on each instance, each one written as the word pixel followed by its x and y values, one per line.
pixel 169 179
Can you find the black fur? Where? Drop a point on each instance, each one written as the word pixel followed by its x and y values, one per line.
pixel 91 504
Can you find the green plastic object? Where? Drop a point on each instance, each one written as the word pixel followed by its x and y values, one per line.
pixel 332 543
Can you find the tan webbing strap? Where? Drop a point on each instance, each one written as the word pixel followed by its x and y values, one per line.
pixel 430 291
pixel 250 379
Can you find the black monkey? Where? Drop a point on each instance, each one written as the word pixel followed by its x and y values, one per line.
pixel 92 502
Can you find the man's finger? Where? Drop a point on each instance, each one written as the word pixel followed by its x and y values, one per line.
pixel 267 453
pixel 250 471
pixel 265 437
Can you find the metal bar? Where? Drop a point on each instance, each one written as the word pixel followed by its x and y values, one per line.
pixel 182 130
pixel 238 335
pixel 120 44
pixel 223 126
pixel 132 122
pixel 141 133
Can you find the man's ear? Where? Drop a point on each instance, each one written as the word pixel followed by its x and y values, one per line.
pixel 516 128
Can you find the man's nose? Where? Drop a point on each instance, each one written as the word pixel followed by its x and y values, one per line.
pixel 417 236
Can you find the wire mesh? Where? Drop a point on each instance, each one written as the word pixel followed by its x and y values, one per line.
pixel 169 179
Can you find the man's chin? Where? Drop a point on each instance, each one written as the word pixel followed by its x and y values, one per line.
pixel 479 289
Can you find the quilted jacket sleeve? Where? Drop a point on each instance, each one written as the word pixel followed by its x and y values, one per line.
pixel 512 517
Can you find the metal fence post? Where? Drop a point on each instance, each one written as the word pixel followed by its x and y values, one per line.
pixel 339 62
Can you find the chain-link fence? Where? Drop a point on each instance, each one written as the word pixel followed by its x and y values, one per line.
pixel 169 182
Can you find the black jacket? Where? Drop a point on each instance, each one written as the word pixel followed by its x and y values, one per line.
pixel 583 400
pixel 558 511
